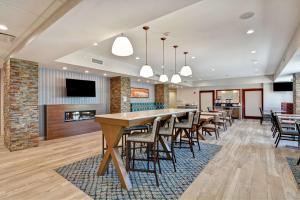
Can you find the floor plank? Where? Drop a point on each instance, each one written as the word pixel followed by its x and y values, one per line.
pixel 247 167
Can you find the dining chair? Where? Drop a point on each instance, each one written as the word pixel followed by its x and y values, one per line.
pixel 185 128
pixel 286 134
pixel 168 132
pixel 212 127
pixel 221 121
pixel 150 138
pixel 196 129
pixel 126 132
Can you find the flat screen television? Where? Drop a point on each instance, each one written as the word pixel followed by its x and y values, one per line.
pixel 283 86
pixel 80 88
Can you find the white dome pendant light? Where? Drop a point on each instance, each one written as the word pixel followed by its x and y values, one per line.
pixel 175 78
pixel 186 70
pixel 163 78
pixel 146 70
pixel 122 46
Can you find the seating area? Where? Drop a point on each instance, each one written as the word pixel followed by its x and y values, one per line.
pixel 134 100
pixel 146 106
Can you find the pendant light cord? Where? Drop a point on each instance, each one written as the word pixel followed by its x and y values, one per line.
pixel 146 48
pixel 163 56
pixel 175 60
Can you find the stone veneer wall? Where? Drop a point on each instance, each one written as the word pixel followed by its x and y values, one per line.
pixel 162 94
pixel 119 94
pixel 296 93
pixel 21 121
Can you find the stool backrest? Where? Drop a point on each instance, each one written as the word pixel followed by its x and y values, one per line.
pixel 191 119
pixel 171 125
pixel 278 125
pixel 196 118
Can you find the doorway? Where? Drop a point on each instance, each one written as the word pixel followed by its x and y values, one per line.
pixel 206 100
pixel 252 101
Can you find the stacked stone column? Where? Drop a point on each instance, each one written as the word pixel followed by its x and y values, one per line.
pixel 21 113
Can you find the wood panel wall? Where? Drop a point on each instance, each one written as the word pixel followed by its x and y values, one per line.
pixel 56 127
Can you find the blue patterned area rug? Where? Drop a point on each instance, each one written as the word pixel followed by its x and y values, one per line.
pixel 83 175
pixel 295 169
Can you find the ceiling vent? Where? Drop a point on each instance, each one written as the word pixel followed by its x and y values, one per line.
pixel 6 38
pixel 100 62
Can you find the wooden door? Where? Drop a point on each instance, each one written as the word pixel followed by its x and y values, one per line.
pixel 206 99
pixel 252 101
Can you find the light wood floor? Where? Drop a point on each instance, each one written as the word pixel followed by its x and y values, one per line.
pixel 247 167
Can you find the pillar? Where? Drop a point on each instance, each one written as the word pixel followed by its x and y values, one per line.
pixel 162 94
pixel 119 94
pixel 20 112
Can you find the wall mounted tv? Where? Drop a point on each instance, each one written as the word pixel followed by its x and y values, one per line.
pixel 283 86
pixel 80 88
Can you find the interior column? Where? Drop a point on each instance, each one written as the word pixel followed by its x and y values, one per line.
pixel 20 110
pixel 162 94
pixel 119 94
pixel 296 93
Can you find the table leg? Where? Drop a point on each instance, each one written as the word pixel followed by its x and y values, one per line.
pixel 112 136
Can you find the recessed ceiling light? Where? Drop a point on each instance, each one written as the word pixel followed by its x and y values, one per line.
pixel 255 62
pixel 247 15
pixel 86 71
pixel 256 69
pixel 104 74
pixel 3 27
pixel 64 68
pixel 253 52
pixel 200 79
pixel 212 69
pixel 139 80
pixel 250 31
pixel 193 57
pixel 137 58
pixel 95 44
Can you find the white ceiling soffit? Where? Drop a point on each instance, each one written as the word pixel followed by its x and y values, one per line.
pixel 234 81
pixel 95 20
pixel 212 31
pixel 25 20
pixel 293 65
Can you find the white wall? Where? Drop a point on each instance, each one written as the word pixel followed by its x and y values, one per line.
pixel 52 90
pixel 191 95
pixel 272 100
pixel 143 85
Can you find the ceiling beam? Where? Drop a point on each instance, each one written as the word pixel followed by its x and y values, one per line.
pixel 55 10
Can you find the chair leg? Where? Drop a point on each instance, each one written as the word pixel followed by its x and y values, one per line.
pixel 154 166
pixel 148 156
pixel 277 141
pixel 191 142
pixel 127 156
pixel 197 135
pixel 157 156
pixel 133 156
pixel 173 155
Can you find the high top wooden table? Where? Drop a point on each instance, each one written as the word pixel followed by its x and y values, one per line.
pixel 112 127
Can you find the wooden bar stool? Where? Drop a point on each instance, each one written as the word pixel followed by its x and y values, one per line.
pixel 168 132
pixel 150 138
pixel 186 128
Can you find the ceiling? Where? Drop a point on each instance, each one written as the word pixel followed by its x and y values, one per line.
pixel 95 20
pixel 19 16
pixel 210 30
pixel 293 66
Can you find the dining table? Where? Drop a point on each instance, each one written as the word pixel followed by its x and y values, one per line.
pixel 113 126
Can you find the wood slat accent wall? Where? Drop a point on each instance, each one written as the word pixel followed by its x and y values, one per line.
pixel 56 127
